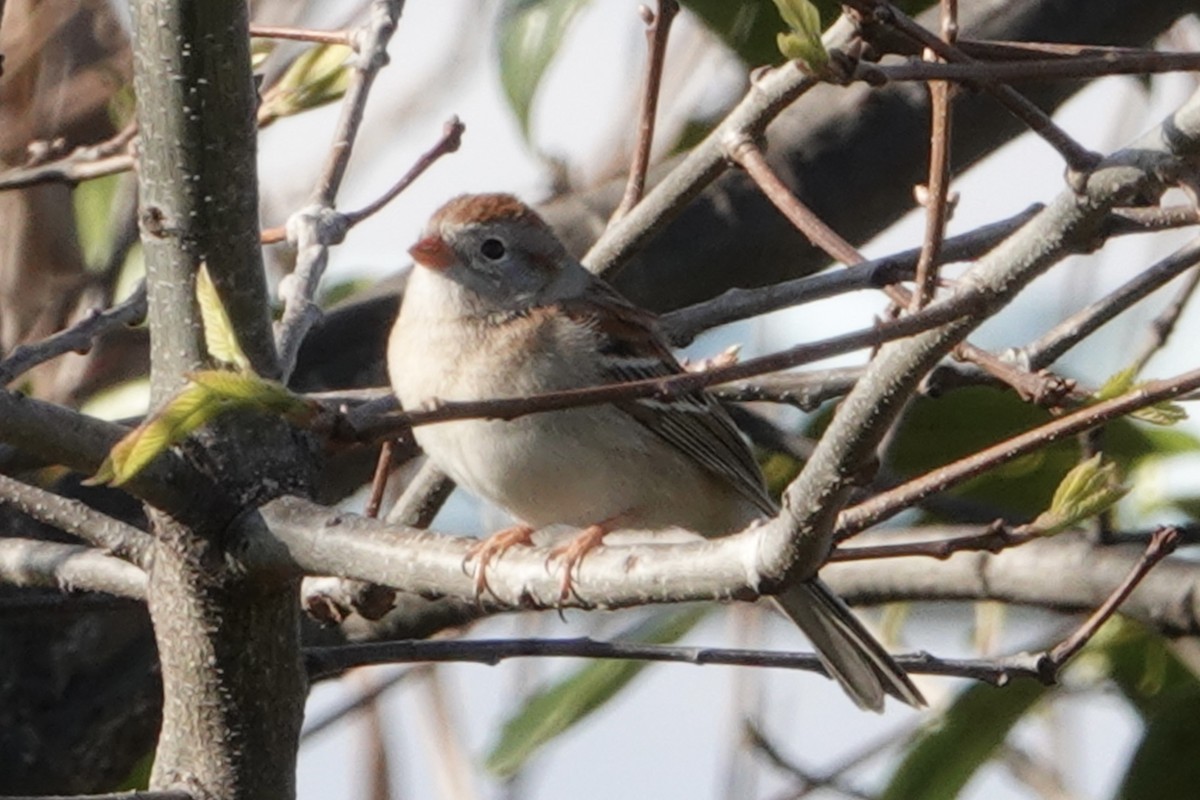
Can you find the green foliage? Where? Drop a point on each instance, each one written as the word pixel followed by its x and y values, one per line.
pixel 92 200
pixel 943 759
pixel 317 77
pixel 1166 693
pixel 219 336
pixel 206 395
pixel 751 29
pixel 1123 382
pixel 529 35
pixel 1088 489
pixel 556 708
pixel 803 41
pixel 936 431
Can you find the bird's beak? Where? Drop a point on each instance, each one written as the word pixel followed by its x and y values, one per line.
pixel 432 252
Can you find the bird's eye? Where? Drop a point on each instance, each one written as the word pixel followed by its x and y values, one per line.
pixel 493 249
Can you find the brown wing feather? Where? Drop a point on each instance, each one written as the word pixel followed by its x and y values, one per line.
pixel 695 423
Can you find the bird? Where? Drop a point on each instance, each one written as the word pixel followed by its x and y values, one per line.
pixel 495 307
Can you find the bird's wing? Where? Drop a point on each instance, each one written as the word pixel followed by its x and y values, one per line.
pixel 631 349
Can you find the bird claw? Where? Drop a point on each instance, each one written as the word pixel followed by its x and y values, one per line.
pixel 571 554
pixel 485 551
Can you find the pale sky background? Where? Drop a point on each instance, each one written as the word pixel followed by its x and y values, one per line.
pixel 665 736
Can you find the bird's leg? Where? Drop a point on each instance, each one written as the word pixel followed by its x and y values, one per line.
pixel 488 550
pixel 572 553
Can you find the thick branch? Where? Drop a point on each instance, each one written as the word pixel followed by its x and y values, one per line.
pixel 79 519
pixel 197 181
pixel 68 567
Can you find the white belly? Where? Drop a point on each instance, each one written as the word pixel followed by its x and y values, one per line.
pixel 577 466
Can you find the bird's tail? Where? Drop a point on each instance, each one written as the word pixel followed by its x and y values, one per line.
pixel 848 650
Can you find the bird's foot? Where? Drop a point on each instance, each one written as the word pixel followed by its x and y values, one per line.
pixel 485 551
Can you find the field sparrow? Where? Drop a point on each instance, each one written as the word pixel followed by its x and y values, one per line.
pixel 497 308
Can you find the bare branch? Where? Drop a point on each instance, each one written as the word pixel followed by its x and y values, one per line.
pixel 1163 325
pixel 451 140
pixel 1131 63
pixel 798 541
pixel 78 519
pixel 1078 159
pixel 327 660
pixel 737 304
pixel 81 164
pixel 1062 337
pixel 301 34
pixel 1161 545
pixel 68 567
pixel 806 391
pixel 937 189
pixel 76 339
pixel 658 29
pixel 422 498
pixel 370 42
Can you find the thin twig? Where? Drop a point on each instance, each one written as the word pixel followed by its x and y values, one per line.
pixel 806 391
pixel 683 325
pixel 1031 386
pixel 1142 63
pixel 1163 325
pixel 76 339
pixel 318 228
pixel 383 467
pixel 937 190
pixel 761 744
pixel 658 28
pixel 363 699
pixel 78 519
pixel 1162 544
pixel 321 661
pixel 1062 337
pixel 83 163
pixel 368 428
pixel 1078 158
pixel 814 781
pixel 451 140
pixel 313 228
pixel 371 41
pixel 996 538
pixel 301 34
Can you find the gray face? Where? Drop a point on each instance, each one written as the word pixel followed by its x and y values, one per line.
pixel 511 267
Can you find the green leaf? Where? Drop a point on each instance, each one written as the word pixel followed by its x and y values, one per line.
pixel 319 76
pixel 188 410
pixel 92 200
pixel 556 708
pixel 1166 693
pixel 219 336
pixel 207 394
pixel 1165 413
pixel 750 28
pixel 943 759
pixel 247 390
pixel 1089 488
pixel 936 431
pixel 803 42
pixel 529 35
